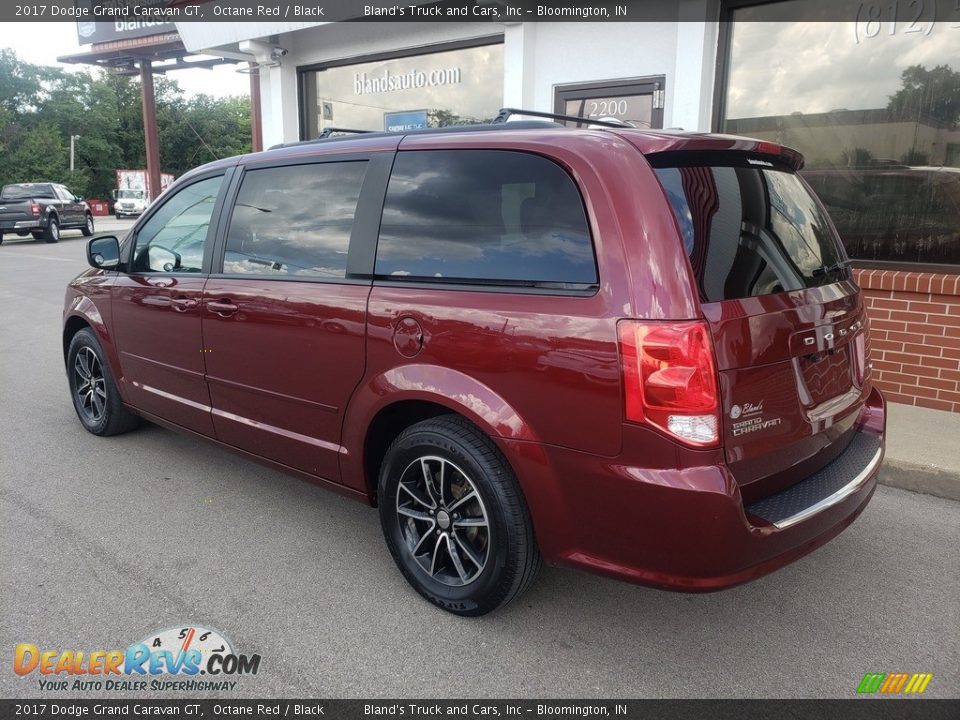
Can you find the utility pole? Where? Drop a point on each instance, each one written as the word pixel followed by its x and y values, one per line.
pixel 150 136
pixel 73 138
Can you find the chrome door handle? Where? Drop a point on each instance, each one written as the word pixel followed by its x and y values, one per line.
pixel 224 308
pixel 182 304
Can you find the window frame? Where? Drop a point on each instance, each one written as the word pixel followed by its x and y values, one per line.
pixel 623 87
pixel 366 224
pixel 720 87
pixel 127 253
pixel 494 285
pixel 304 70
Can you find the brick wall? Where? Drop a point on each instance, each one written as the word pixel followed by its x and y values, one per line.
pixel 915 335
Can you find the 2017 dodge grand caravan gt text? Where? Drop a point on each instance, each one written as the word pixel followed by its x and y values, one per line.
pixel 634 352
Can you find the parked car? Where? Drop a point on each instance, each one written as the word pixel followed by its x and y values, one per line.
pixel 633 352
pixel 130 203
pixel 42 210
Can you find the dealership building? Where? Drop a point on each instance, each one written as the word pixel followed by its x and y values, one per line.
pixel 873 103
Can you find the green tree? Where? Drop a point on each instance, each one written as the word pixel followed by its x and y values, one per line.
pixel 41 107
pixel 928 93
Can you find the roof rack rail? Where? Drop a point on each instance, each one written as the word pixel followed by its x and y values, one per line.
pixel 328 131
pixel 505 113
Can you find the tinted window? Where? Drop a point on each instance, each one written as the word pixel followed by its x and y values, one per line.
pixel 294 220
pixel 876 116
pixel 31 190
pixel 172 239
pixel 478 215
pixel 909 214
pixel 751 230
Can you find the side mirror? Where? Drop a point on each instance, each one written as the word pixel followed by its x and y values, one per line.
pixel 78 198
pixel 103 253
pixel 113 194
pixel 159 259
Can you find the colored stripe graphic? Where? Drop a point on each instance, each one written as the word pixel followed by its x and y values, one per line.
pixel 871 682
pixel 894 683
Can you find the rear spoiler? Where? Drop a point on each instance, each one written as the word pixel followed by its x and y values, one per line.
pixel 722 156
pixel 655 148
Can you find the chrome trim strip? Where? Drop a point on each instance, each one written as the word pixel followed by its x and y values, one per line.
pixel 834 406
pixel 841 494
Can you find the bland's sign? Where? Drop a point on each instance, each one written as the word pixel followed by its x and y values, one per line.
pixel 105 20
pixel 98 32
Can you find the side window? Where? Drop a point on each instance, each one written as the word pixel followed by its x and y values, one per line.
pixel 62 193
pixel 294 220
pixel 486 216
pixel 172 240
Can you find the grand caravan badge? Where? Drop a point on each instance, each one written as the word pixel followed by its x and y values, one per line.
pixel 753 420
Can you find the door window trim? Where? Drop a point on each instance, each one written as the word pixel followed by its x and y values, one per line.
pixel 208 243
pixel 361 249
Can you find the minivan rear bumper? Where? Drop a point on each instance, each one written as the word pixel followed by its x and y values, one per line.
pixel 687 529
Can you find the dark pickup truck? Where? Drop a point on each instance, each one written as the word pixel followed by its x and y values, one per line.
pixel 42 210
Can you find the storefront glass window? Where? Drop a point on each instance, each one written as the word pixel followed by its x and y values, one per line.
pixel 873 105
pixel 451 87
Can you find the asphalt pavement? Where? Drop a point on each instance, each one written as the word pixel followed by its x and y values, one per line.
pixel 104 541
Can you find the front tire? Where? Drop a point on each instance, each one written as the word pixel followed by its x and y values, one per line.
pixel 454 517
pixel 52 233
pixel 87 229
pixel 93 390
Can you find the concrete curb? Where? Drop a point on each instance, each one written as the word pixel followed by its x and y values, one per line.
pixel 924 479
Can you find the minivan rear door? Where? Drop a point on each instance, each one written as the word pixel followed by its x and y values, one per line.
pixel 786 317
pixel 284 312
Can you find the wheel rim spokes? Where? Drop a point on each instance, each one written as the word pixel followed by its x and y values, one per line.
pixel 443 520
pixel 91 387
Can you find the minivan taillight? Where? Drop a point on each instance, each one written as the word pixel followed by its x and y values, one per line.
pixel 35 209
pixel 670 379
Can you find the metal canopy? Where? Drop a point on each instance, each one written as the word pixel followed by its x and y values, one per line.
pixel 146 57
pixel 165 52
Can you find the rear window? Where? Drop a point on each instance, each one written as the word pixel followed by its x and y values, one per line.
pixel 20 192
pixel 484 216
pixel 751 228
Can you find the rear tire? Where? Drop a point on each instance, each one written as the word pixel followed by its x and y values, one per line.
pixel 93 390
pixel 87 229
pixel 52 233
pixel 454 517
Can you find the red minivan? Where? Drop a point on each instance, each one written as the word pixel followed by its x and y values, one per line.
pixel 639 353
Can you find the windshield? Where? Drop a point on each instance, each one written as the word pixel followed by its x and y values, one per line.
pixel 130 194
pixel 751 229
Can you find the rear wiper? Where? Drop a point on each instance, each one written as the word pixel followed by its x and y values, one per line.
pixel 830 269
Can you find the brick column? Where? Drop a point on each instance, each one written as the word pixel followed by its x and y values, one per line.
pixel 915 335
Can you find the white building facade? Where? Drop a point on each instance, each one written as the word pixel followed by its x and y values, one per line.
pixel 871 100
pixel 671 62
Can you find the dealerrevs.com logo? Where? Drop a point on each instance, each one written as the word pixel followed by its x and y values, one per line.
pixel 198 658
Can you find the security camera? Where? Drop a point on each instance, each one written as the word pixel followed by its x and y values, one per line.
pixel 278 52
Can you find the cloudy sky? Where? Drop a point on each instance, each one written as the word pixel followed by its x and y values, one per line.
pixel 42 43
pixel 781 68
